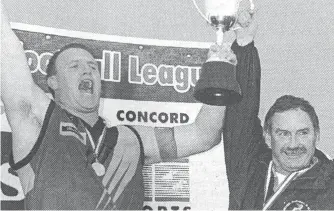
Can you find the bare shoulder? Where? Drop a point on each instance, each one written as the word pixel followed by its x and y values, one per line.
pixel 25 103
pixel 26 121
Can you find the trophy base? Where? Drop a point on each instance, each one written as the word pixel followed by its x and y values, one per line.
pixel 217 84
pixel 217 96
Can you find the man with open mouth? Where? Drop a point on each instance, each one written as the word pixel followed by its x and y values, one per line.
pixel 65 154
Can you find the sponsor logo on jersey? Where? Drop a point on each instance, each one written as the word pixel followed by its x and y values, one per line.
pixel 296 206
pixel 69 129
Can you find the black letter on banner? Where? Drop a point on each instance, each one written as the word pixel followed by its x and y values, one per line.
pixel 142 115
pixel 151 117
pixel 173 118
pixel 146 207
pixel 119 115
pixel 162 208
pixel 161 119
pixel 184 118
pixel 129 118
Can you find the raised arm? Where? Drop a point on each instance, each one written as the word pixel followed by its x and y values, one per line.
pixel 165 144
pixel 25 103
pixel 243 127
pixel 242 133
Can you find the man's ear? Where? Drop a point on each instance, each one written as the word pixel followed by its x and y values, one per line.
pixel 267 137
pixel 52 82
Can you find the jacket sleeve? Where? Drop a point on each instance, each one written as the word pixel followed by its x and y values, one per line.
pixel 242 131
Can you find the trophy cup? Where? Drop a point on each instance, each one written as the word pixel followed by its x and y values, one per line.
pixel 217 84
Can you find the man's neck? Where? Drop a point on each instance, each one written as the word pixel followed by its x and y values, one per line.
pixel 280 170
pixel 89 117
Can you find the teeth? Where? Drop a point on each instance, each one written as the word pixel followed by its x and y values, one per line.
pixel 297 153
pixel 86 85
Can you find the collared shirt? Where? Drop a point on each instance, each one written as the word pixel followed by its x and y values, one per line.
pixel 282 181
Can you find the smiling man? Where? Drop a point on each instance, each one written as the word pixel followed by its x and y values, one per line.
pixel 297 175
pixel 65 154
pixel 292 134
pixel 292 174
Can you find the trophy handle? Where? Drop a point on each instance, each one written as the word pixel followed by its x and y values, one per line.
pixel 200 12
pixel 219 30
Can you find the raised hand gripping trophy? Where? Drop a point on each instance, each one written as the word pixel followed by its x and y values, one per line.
pixel 217 84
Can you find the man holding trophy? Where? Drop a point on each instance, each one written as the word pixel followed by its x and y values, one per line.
pixel 293 174
pixel 67 157
pixel 234 81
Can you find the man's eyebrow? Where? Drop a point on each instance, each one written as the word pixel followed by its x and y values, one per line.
pixel 304 129
pixel 280 130
pixel 92 62
pixel 77 60
pixel 72 62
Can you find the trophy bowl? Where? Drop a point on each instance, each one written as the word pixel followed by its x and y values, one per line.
pixel 217 84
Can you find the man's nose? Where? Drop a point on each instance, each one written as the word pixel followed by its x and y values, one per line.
pixel 86 69
pixel 294 141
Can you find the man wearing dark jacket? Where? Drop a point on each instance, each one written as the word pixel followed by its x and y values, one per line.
pixel 304 175
pixel 293 173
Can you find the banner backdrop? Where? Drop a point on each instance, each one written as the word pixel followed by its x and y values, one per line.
pixel 142 83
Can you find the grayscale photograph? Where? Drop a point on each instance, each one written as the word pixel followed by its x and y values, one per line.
pixel 167 105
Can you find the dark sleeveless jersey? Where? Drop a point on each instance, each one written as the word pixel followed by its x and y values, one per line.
pixel 58 173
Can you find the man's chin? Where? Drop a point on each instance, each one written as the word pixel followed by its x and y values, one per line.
pixel 93 107
pixel 88 100
pixel 295 166
pixel 90 106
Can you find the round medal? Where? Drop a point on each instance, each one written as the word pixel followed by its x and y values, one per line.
pixel 99 169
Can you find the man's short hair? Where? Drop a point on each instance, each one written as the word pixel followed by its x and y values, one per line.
pixel 289 102
pixel 51 68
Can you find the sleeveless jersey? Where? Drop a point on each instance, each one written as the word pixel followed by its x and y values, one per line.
pixel 58 173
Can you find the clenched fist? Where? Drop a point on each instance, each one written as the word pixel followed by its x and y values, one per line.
pixel 222 53
pixel 246 27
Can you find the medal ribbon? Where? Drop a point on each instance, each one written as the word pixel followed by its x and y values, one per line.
pixel 96 148
pixel 284 184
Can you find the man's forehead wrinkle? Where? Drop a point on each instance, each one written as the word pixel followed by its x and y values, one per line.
pixel 89 61
pixel 72 58
pixel 92 62
pixel 278 129
pixel 306 128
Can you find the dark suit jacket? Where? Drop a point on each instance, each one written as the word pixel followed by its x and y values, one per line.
pixel 242 128
pixel 246 154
